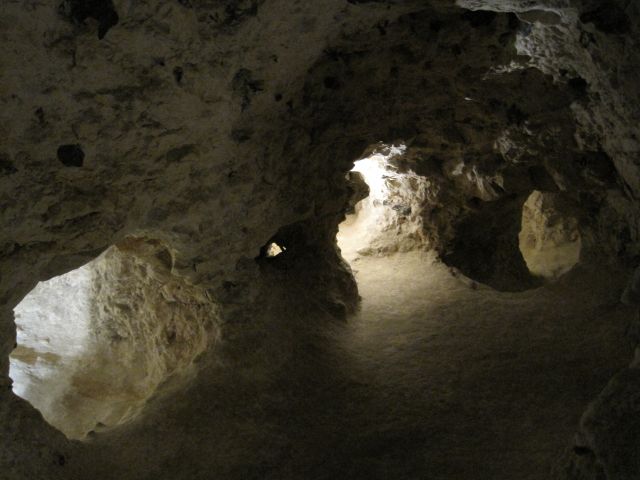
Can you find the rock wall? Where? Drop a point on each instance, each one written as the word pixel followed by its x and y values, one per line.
pixel 217 126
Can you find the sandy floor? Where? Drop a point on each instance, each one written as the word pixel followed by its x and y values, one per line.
pixel 463 382
pixel 435 379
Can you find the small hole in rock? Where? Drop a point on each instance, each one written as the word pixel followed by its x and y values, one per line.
pixel 71 155
pixel 178 73
pixel 273 250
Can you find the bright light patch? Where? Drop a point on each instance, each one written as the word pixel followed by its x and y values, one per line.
pixel 388 219
pixel 53 333
pixel 273 250
pixel 375 170
pixel 550 240
pixel 94 344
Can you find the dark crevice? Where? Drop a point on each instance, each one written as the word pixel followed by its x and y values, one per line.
pixel 71 155
pixel 103 11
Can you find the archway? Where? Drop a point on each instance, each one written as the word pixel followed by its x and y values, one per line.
pixel 97 343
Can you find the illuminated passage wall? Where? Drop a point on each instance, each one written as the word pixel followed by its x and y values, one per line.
pixel 95 344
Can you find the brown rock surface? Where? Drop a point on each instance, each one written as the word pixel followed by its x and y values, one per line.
pixel 186 136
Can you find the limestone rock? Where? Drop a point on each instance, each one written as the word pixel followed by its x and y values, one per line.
pixel 184 137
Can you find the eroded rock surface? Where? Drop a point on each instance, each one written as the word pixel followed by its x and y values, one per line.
pixel 215 127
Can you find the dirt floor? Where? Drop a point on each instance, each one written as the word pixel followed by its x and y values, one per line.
pixel 436 378
pixel 461 382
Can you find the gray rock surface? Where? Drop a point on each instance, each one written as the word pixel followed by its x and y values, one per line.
pixel 214 127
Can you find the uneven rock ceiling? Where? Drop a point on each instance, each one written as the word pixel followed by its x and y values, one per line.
pixel 184 137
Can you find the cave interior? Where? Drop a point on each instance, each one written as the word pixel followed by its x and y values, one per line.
pixel 347 239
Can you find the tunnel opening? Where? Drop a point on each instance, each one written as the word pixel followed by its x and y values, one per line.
pixel 516 242
pixel 402 200
pixel 273 250
pixel 96 344
pixel 550 239
pixel 384 213
pixel 275 247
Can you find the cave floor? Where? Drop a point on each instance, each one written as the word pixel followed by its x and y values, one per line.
pixel 436 378
pixel 465 382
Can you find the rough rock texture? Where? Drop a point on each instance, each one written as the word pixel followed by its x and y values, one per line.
pixel 214 127
pixel 549 239
pixel 121 326
pixel 390 218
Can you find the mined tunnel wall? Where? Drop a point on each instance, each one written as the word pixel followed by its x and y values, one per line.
pixel 217 126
